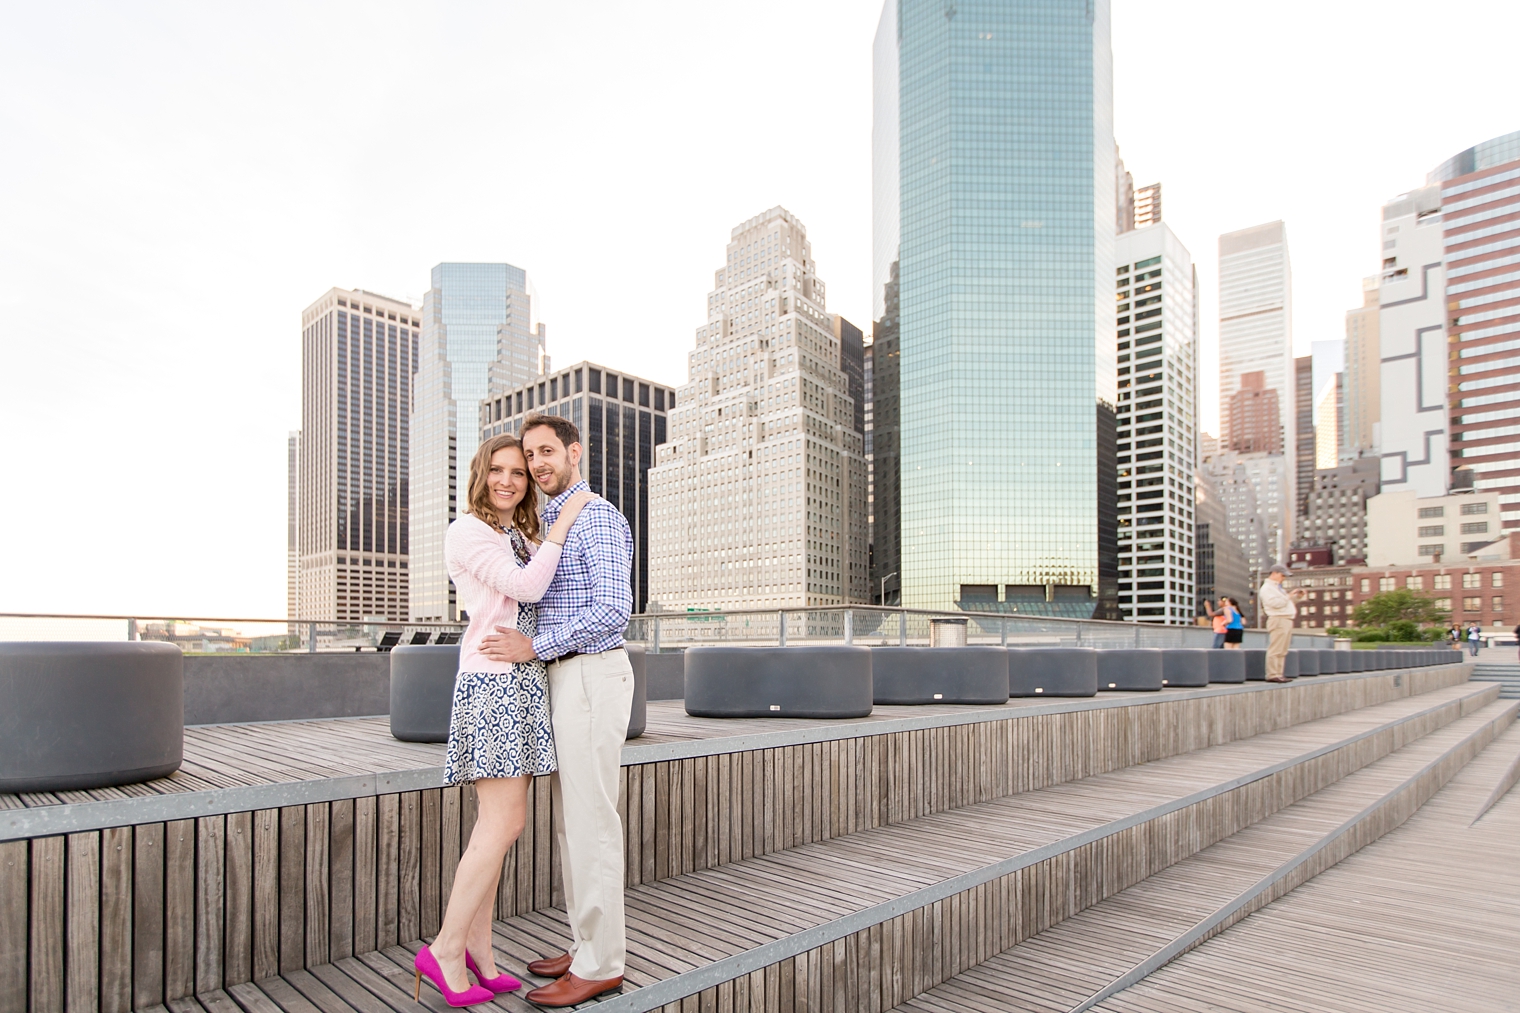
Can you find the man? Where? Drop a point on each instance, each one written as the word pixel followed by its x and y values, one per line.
pixel 581 620
pixel 1278 606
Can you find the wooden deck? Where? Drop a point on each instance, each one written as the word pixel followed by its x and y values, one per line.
pixel 876 918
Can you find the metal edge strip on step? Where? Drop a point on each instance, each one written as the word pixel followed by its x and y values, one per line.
pixel 686 983
pixel 1194 935
pixel 76 817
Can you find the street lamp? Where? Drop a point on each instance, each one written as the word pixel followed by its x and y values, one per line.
pixel 884 587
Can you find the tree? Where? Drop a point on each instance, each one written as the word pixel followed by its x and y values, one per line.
pixel 1396 606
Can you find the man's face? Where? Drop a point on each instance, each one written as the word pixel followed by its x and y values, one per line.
pixel 555 467
pixel 1277 577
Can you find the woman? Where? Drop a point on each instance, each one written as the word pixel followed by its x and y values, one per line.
pixel 1218 619
pixel 499 734
pixel 1235 624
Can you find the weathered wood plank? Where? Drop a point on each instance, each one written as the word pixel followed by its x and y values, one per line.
pixel 14 895
pixel 82 924
pixel 430 872
pixel 318 928
pixel 387 870
pixel 179 909
pixel 237 949
pixel 341 877
pixel 365 884
pixel 408 923
pixel 210 896
pixel 47 928
pixel 292 887
pixel 265 959
pixel 148 855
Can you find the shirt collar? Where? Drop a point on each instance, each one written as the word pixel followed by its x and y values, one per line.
pixel 552 508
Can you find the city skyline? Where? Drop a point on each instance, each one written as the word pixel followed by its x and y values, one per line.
pixel 89 242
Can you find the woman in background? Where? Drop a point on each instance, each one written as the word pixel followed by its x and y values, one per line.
pixel 1235 624
pixel 500 735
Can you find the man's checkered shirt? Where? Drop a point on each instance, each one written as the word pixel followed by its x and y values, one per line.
pixel 587 605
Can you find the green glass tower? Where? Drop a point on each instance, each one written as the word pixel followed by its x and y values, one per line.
pixel 994 199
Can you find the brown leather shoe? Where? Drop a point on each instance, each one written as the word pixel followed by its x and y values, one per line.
pixel 572 991
pixel 550 967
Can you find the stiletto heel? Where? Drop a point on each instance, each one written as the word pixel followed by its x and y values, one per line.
pixel 498 985
pixel 417 989
pixel 427 964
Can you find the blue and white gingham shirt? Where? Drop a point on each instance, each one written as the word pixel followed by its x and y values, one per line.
pixel 587 605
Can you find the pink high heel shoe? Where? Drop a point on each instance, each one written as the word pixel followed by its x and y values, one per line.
pixel 426 964
pixel 498 985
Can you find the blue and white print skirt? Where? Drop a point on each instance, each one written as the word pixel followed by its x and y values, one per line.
pixel 500 726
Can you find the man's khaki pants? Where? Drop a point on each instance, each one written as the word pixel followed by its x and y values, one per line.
pixel 1279 637
pixel 591 696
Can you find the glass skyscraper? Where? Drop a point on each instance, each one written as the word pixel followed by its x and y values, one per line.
pixel 1002 223
pixel 478 335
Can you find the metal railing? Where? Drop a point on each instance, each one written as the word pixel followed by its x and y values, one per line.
pixel 657 631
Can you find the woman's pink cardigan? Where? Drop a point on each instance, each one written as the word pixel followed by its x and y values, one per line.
pixel 491 582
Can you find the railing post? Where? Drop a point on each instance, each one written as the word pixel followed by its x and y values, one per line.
pixel 902 628
pixel 131 629
pixel 1004 624
pixel 849 627
pixel 655 637
pixel 783 628
pixel 311 643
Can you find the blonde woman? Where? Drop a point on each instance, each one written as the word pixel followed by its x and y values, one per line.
pixel 500 734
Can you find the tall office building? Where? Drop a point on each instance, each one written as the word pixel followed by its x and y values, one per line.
pixel 292 524
pixel 1329 411
pixel 478 333
pixel 1147 205
pixel 358 360
pixel 1006 272
pixel 1337 514
pixel 1221 567
pixel 1363 366
pixel 1253 417
pixel 1303 433
pixel 622 420
pixel 1413 426
pixel 758 499
pixel 1480 208
pixel 1157 352
pixel 885 432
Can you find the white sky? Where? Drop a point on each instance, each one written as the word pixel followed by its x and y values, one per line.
pixel 180 180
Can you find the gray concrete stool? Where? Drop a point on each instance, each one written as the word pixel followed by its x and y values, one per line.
pixel 1227 666
pixel 1308 662
pixel 1186 666
pixel 778 682
pixel 1327 661
pixel 1290 665
pixel 75 716
pixel 665 675
pixel 422 691
pixel 923 675
pixel 1130 669
pixel 1052 671
pixel 1345 661
pixel 1256 663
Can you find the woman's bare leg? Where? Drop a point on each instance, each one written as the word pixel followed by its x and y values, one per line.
pixel 501 809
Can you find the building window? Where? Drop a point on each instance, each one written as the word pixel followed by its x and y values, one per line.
pixel 1434 531
pixel 1432 512
pixel 1415 583
pixel 1444 604
pixel 1432 550
pixel 1469 509
pixel 1475 528
pixel 1443 582
pixel 1386 583
pixel 1496 579
pixel 1366 585
pixel 1472 580
pixel 1472 604
pixel 1498 604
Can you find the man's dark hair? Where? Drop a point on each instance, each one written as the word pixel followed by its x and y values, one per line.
pixel 563 428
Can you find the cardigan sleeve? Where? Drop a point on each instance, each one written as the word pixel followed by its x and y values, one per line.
pixel 475 549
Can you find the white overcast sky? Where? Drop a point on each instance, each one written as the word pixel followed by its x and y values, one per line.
pixel 180 180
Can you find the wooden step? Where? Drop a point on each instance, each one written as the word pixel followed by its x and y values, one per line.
pixel 870 919
pixel 1118 942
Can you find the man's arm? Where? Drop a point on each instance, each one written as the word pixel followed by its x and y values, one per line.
pixel 606 544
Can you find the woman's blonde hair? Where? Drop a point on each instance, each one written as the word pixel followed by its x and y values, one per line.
pixel 481 504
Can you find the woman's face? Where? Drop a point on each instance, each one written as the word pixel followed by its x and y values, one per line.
pixel 507 479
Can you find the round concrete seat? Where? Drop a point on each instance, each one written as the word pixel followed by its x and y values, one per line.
pixel 1256 663
pixel 638 714
pixel 422 691
pixel 1135 669
pixel 1052 671
pixel 1344 660
pixel 75 716
pixel 1327 661
pixel 778 682
pixel 1290 665
pixel 1186 666
pixel 1228 666
pixel 1308 662
pixel 923 675
pixel 1366 661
